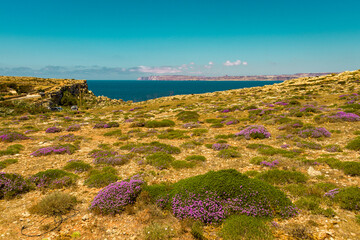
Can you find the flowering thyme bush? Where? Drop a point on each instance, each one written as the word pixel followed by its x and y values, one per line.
pixel 254 131
pixel 113 198
pixel 106 125
pixel 53 178
pixel 12 136
pixel 312 132
pixel 12 185
pixel 344 117
pixel 213 196
pixel 61 149
pixel 220 146
pixel 73 128
pixel 53 130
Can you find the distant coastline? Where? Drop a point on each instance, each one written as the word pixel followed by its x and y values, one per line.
pixel 281 77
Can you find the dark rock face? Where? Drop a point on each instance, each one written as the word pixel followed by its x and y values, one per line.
pixel 77 88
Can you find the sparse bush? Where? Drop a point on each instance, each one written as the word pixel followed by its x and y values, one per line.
pixel 156 231
pixel 53 130
pixel 199 132
pixel 68 99
pixel 11 185
pixel 190 144
pixel 196 230
pixel 152 147
pixel 245 227
pixel 228 153
pixel 73 128
pixel 349 198
pixel 276 176
pixel 54 204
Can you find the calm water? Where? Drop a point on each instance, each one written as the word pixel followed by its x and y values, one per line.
pixel 137 91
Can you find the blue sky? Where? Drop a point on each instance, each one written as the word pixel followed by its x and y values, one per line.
pixel 116 39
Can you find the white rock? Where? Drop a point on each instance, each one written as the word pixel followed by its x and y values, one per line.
pixel 312 172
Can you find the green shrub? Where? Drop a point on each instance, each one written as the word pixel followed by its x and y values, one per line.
pixel 179 164
pixel 160 160
pixel 217 125
pixel 271 151
pixel 54 204
pixel 258 159
pixel 188 116
pixel 68 99
pixel 245 227
pixel 199 132
pixel 228 153
pixel 354 144
pixel 196 230
pixel 190 144
pixel 308 203
pixel 196 158
pixel 162 123
pixel 156 231
pixel 251 173
pixel 7 162
pixel 116 133
pixel 349 198
pixel 276 176
pixel 225 136
pixel 350 168
pixel 77 166
pixel 12 150
pixel 99 179
pixel 173 134
pixel 53 178
pixel 357 219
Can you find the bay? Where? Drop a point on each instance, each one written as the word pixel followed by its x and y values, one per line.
pixel 137 90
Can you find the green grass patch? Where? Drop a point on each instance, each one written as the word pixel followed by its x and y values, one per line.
pixel 279 177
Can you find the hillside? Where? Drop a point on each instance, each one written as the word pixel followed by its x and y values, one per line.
pixel 294 148
pixel 281 77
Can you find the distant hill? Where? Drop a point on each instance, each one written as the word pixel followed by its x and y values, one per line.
pixel 281 77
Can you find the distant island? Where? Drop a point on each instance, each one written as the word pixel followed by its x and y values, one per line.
pixel 281 77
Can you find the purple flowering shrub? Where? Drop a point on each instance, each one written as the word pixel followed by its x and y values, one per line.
pixel 12 185
pixel 12 136
pixel 53 178
pixel 109 157
pixel 73 128
pixel 69 138
pixel 313 132
pixel 343 117
pixel 254 131
pixel 53 130
pixel 113 198
pixel 333 148
pixel 106 125
pixel 213 196
pixel 60 149
pixel 220 146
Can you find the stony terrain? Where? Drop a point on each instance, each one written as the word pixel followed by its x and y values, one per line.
pixel 290 112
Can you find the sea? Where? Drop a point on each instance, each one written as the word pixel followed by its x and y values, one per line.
pixel 138 90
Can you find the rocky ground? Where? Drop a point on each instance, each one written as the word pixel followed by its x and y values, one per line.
pixel 311 101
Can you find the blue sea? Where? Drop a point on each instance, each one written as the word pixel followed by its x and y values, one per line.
pixel 137 90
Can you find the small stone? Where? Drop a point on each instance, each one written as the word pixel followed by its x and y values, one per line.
pixel 312 172
pixel 85 217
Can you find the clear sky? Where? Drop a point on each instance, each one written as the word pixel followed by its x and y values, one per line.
pixel 126 39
